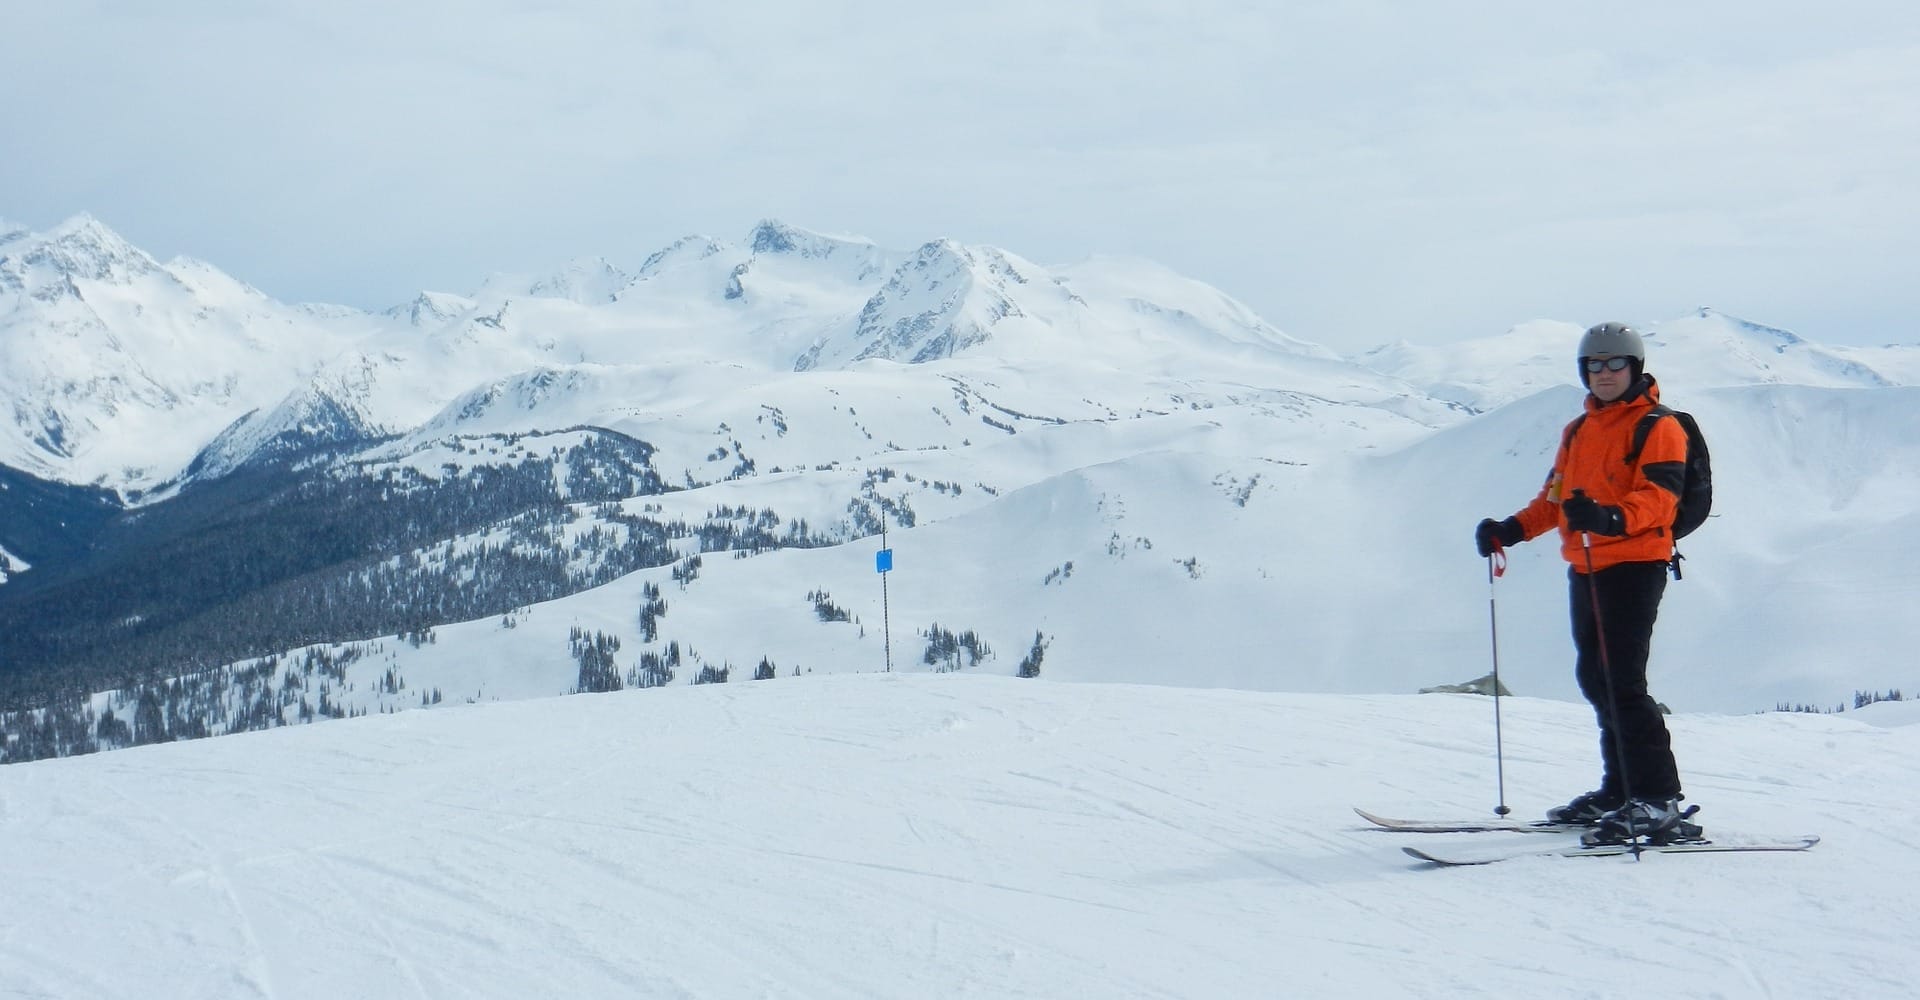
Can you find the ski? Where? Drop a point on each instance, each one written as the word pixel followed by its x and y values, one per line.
pixel 1469 825
pixel 1452 860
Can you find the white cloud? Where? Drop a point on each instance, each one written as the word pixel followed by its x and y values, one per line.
pixel 1359 173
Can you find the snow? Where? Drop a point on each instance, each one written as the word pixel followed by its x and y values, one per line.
pixel 10 563
pixel 1260 515
pixel 105 352
pixel 119 369
pixel 1256 539
pixel 1703 350
pixel 432 310
pixel 1169 491
pixel 1105 280
pixel 1889 713
pixel 1276 543
pixel 588 281
pixel 883 835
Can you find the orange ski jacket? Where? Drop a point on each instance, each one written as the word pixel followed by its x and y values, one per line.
pixel 1594 459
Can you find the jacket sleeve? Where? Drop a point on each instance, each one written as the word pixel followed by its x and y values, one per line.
pixel 1542 513
pixel 1654 496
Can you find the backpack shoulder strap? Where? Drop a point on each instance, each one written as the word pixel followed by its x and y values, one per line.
pixel 1644 428
pixel 1566 436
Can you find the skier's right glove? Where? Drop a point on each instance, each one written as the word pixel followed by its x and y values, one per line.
pixel 1504 533
pixel 1583 513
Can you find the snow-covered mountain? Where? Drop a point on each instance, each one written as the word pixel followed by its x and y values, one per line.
pixel 1706 349
pixel 1114 461
pixel 945 300
pixel 431 310
pixel 118 368
pixel 590 281
pixel 335 408
pixel 107 350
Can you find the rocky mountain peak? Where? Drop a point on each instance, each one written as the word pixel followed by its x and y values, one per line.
pixel 82 248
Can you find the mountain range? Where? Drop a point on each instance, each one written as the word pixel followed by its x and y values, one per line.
pixel 1103 471
pixel 121 370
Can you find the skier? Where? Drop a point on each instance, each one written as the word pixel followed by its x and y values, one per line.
pixel 1615 530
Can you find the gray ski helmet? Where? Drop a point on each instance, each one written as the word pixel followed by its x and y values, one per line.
pixel 1614 340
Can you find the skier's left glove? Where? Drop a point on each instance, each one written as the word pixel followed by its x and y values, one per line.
pixel 1584 513
pixel 1490 535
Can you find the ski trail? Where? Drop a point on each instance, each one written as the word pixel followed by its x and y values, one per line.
pixel 1235 848
pixel 990 838
pixel 62 979
pixel 259 966
pixel 381 926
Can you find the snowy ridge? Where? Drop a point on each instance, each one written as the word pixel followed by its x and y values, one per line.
pixel 849 259
pixel 684 251
pixel 947 299
pixel 1178 311
pixel 135 404
pixel 84 249
pixel 938 836
pixel 1489 372
pixel 1705 350
pixel 103 346
pixel 315 417
pixel 432 310
pixel 119 369
pixel 1222 535
pixel 590 281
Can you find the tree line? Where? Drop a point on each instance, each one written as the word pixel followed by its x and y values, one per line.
pixel 256 563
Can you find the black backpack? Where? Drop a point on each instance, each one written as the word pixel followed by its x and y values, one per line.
pixel 1696 485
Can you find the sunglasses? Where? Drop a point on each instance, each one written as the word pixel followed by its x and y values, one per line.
pixel 1596 365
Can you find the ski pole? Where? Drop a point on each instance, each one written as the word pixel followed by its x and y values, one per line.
pixel 1497 565
pixel 1613 696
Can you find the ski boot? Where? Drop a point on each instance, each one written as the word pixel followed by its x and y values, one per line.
pixel 1654 821
pixel 1586 810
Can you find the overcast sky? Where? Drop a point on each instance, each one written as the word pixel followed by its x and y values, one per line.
pixel 1359 172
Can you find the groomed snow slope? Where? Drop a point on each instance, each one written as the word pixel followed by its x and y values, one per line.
pixel 944 835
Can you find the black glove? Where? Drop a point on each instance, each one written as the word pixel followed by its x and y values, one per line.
pixel 1584 513
pixel 1489 531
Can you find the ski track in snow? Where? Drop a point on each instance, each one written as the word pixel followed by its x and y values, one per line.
pixel 893 835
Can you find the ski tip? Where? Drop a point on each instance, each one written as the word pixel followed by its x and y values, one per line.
pixel 1441 861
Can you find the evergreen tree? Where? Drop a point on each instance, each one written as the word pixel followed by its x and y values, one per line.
pixel 598 672
pixel 149 719
pixel 1030 667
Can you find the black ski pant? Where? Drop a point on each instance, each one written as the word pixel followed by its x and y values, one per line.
pixel 1635 748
